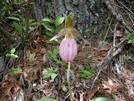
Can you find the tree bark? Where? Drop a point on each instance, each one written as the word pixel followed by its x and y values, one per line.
pixel 91 16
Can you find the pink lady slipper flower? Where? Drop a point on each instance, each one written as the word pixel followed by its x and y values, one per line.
pixel 68 48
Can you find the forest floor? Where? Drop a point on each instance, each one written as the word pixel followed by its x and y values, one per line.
pixel 113 76
pixel 103 69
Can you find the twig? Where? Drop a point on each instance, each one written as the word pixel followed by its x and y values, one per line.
pixel 125 7
pixel 114 38
pixel 118 16
pixel 109 57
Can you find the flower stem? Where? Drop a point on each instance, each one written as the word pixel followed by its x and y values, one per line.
pixel 68 81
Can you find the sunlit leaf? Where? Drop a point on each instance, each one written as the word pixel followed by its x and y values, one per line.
pixel 53 75
pixel 8 55
pixel 59 20
pixel 55 51
pixel 48 27
pixel 130 41
pixel 14 56
pixel 12 50
pixel 46 76
pixel 47 20
pixel 31 20
pixel 13 18
pixel 102 99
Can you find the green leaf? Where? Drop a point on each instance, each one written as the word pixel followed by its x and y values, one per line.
pixel 46 76
pixel 59 20
pixel 47 20
pixel 31 20
pixel 13 18
pixel 48 27
pixel 35 23
pixel 14 70
pixel 8 55
pixel 12 50
pixel 53 75
pixel 18 27
pixel 130 41
pixel 102 99
pixel 49 33
pixel 58 28
pixel 48 70
pixel 87 72
pixel 14 56
pixel 56 69
pixel 3 10
pixel 46 99
pixel 55 51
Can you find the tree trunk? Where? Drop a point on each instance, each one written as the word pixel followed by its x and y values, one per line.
pixel 86 13
pixel 91 16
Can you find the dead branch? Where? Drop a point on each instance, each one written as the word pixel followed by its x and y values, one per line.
pixel 111 54
pixel 7 34
pixel 118 16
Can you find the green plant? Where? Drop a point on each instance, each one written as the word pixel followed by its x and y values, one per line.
pixel 11 54
pixel 68 46
pixel 50 73
pixel 130 38
pixel 21 25
pixel 53 26
pixel 102 99
pixel 87 72
pixel 46 99
pixel 54 54
pixel 15 70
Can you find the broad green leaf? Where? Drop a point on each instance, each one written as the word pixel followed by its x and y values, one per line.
pixel 14 56
pixel 55 51
pixel 102 99
pixel 130 41
pixel 47 20
pixel 49 33
pixel 53 75
pixel 48 27
pixel 58 28
pixel 31 20
pixel 46 76
pixel 48 70
pixel 3 10
pixel 15 70
pixel 18 27
pixel 13 18
pixel 56 69
pixel 46 99
pixel 35 23
pixel 59 20
pixel 8 55
pixel 12 50
pixel 69 22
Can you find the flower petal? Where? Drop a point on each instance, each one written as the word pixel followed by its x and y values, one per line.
pixel 68 49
